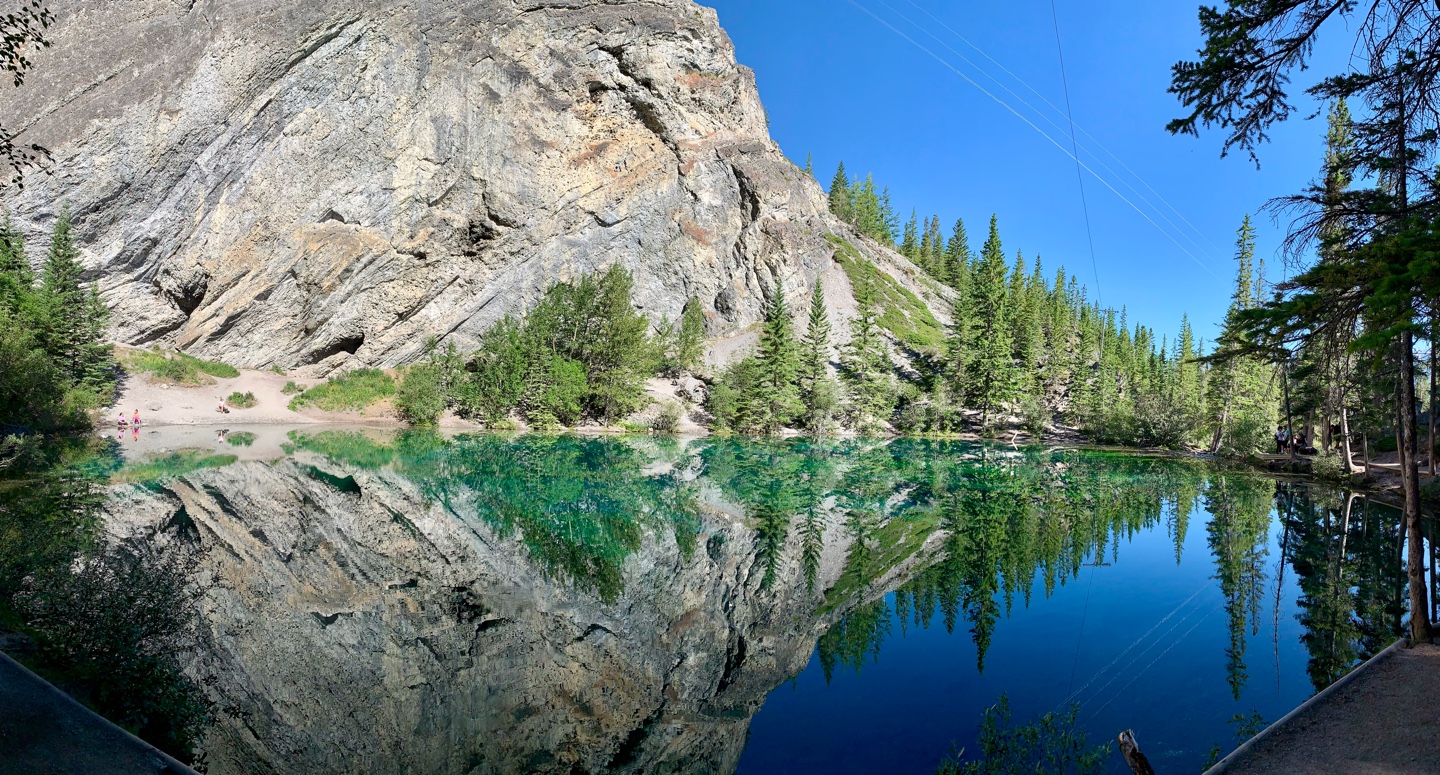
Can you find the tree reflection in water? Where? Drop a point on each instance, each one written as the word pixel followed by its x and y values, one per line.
pixel 1003 520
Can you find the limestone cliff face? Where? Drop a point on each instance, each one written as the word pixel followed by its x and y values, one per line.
pixel 332 181
pixel 362 625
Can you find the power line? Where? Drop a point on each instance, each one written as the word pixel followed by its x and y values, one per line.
pixel 1203 235
pixel 1033 126
pixel 1043 115
pixel 1079 175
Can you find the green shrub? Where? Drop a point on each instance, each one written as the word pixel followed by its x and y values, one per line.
pixel 420 399
pixel 1248 434
pixel 291 388
pixel 240 439
pixel 276 369
pixel 557 394
pixel 1034 416
pixel 177 368
pixel 350 392
pixel 666 421
pixel 1331 467
pixel 240 400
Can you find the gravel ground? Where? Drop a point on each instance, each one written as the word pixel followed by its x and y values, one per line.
pixel 1385 721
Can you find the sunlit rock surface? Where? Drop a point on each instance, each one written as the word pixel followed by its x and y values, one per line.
pixel 331 182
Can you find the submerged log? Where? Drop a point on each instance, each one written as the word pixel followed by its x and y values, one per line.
pixel 1130 749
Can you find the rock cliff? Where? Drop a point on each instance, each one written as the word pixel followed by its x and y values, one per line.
pixel 331 182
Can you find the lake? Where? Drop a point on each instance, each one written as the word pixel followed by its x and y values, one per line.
pixel 389 602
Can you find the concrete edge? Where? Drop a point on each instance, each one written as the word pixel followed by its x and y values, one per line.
pixel 172 765
pixel 1223 766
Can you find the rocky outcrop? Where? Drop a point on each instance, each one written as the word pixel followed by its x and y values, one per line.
pixel 331 182
pixel 363 622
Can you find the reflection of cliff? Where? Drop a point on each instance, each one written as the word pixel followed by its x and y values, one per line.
pixel 363 626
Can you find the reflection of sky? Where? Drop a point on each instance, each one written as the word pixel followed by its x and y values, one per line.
pixel 904 712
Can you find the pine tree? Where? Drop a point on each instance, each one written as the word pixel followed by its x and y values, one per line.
pixel 927 250
pixel 889 223
pixel 809 165
pixel 840 203
pixel 990 378
pixel 817 392
pixel 866 215
pixel 934 256
pixel 910 246
pixel 17 280
pixel 1026 329
pixel 866 364
pixel 779 360
pixel 690 338
pixel 1241 405
pixel 957 258
pixel 74 319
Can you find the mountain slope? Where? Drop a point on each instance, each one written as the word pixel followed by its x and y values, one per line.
pixel 334 182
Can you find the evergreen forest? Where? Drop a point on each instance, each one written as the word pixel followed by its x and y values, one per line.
pixel 1024 348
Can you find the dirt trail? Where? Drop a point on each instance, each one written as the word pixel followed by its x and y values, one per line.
pixel 1383 721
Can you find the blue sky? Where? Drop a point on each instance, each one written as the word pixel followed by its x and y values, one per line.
pixel 838 84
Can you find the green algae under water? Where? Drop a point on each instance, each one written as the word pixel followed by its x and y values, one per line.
pixel 490 603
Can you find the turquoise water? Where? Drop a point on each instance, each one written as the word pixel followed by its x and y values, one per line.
pixel 493 603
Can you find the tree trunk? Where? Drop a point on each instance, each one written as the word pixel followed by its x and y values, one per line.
pixel 1289 431
pixel 1345 441
pixel 1219 431
pixel 1365 450
pixel 1410 479
pixel 1326 437
pixel 1430 437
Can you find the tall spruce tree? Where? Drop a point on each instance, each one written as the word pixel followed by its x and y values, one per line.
pixel 840 201
pixel 74 319
pixel 910 245
pixel 17 280
pixel 990 372
pixel 779 360
pixel 957 258
pixel 817 392
pixel 690 337
pixel 865 364
pixel 1242 400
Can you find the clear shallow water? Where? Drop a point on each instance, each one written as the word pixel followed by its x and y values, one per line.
pixel 557 604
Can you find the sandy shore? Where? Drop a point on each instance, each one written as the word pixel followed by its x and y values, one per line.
pixel 164 404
